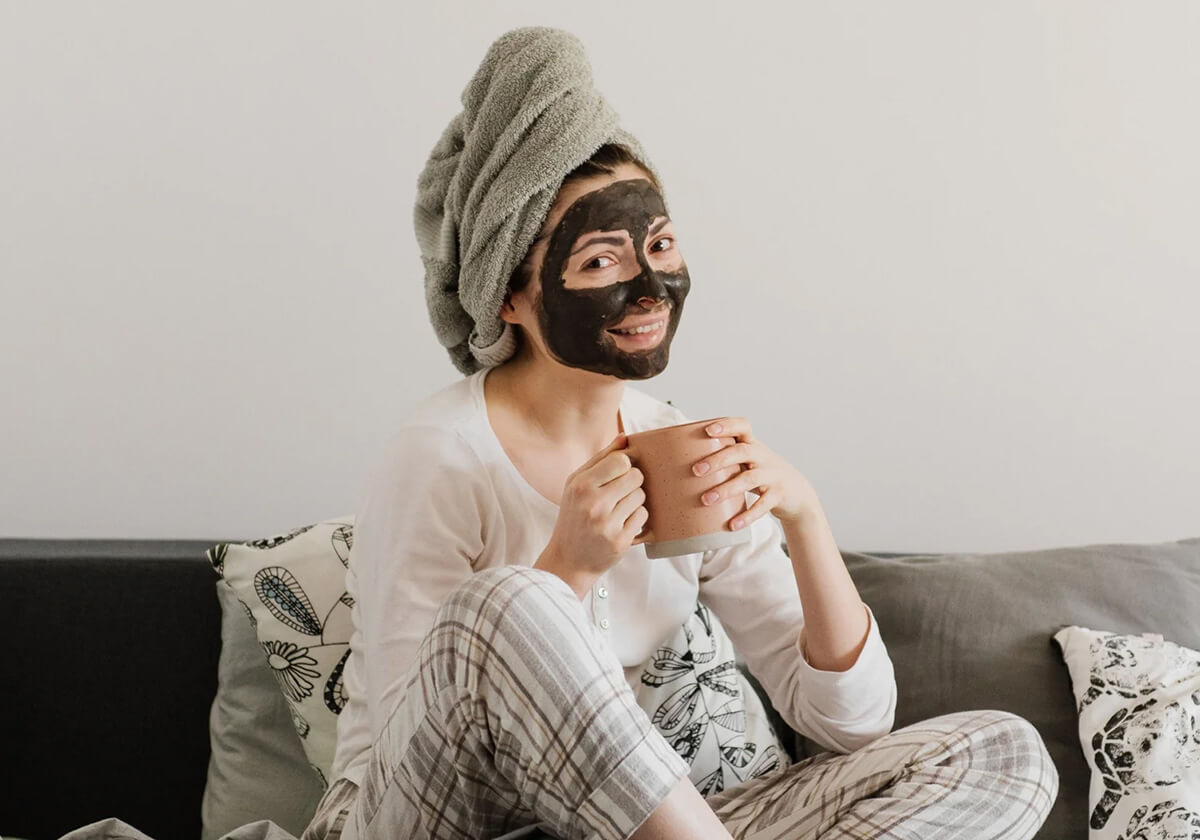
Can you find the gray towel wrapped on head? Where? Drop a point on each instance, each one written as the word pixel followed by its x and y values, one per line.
pixel 530 116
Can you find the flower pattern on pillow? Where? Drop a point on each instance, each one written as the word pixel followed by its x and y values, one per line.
pixel 293 587
pixel 271 542
pixel 1139 725
pixel 1115 665
pixel 335 687
pixel 292 667
pixel 701 704
pixel 282 594
pixel 1165 821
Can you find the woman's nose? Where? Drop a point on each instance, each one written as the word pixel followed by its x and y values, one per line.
pixel 647 302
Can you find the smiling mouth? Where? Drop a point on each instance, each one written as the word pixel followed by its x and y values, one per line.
pixel 645 329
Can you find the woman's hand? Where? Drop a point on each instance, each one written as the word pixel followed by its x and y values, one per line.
pixel 600 515
pixel 781 488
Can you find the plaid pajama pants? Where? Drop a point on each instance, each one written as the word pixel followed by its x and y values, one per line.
pixel 517 714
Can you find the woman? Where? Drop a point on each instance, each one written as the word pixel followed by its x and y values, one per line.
pixel 504 610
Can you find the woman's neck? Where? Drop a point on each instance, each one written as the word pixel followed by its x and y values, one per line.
pixel 569 407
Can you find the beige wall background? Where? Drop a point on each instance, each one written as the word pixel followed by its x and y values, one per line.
pixel 945 255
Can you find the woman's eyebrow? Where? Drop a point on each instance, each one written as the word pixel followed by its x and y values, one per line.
pixel 604 240
pixel 618 240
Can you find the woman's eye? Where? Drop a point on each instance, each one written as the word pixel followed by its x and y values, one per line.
pixel 593 263
pixel 668 243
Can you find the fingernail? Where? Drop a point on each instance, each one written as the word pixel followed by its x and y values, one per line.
pixel 715 429
pixel 737 523
pixel 709 498
pixel 701 468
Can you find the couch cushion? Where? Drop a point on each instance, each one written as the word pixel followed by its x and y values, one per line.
pixel 294 587
pixel 974 631
pixel 257 770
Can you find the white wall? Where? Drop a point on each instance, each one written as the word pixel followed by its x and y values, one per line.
pixel 944 255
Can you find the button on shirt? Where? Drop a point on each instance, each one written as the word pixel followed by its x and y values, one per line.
pixel 597 605
pixel 445 501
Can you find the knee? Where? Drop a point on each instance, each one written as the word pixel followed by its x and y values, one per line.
pixel 1011 745
pixel 1014 737
pixel 509 625
pixel 506 594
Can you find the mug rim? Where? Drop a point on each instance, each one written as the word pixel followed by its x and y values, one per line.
pixel 674 427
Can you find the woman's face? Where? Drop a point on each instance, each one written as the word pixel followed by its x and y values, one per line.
pixel 609 281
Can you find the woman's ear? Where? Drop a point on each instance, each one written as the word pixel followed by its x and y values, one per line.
pixel 508 312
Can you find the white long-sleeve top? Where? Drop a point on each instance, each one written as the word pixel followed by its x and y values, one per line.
pixel 446 502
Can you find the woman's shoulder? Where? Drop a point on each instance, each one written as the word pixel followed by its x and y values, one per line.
pixel 441 427
pixel 448 407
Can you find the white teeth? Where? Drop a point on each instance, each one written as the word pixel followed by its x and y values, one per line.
pixel 641 330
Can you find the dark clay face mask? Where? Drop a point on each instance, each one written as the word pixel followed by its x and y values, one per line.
pixel 575 322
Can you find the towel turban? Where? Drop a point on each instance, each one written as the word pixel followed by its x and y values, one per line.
pixel 530 116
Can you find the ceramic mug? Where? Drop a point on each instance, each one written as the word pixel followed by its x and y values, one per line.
pixel 679 522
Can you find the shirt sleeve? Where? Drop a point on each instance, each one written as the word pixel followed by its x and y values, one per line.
pixel 421 526
pixel 752 590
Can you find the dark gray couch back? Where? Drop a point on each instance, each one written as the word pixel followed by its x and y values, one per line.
pixel 110 668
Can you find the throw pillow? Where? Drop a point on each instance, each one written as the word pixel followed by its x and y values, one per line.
pixel 257 769
pixel 973 631
pixel 1139 725
pixel 702 704
pixel 293 587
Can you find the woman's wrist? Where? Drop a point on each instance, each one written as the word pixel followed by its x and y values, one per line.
pixel 806 511
pixel 579 581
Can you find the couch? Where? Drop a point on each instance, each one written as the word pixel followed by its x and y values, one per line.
pixel 113 649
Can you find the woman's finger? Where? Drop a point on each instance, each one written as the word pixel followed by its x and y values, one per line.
pixel 635 525
pixel 735 453
pixel 628 504
pixel 757 510
pixel 736 486
pixel 612 466
pixel 621 486
pixel 618 442
pixel 735 427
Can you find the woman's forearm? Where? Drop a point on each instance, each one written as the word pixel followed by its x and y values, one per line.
pixel 835 620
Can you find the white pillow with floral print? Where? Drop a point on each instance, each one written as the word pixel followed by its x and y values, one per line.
pixel 293 587
pixel 699 701
pixel 1139 726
